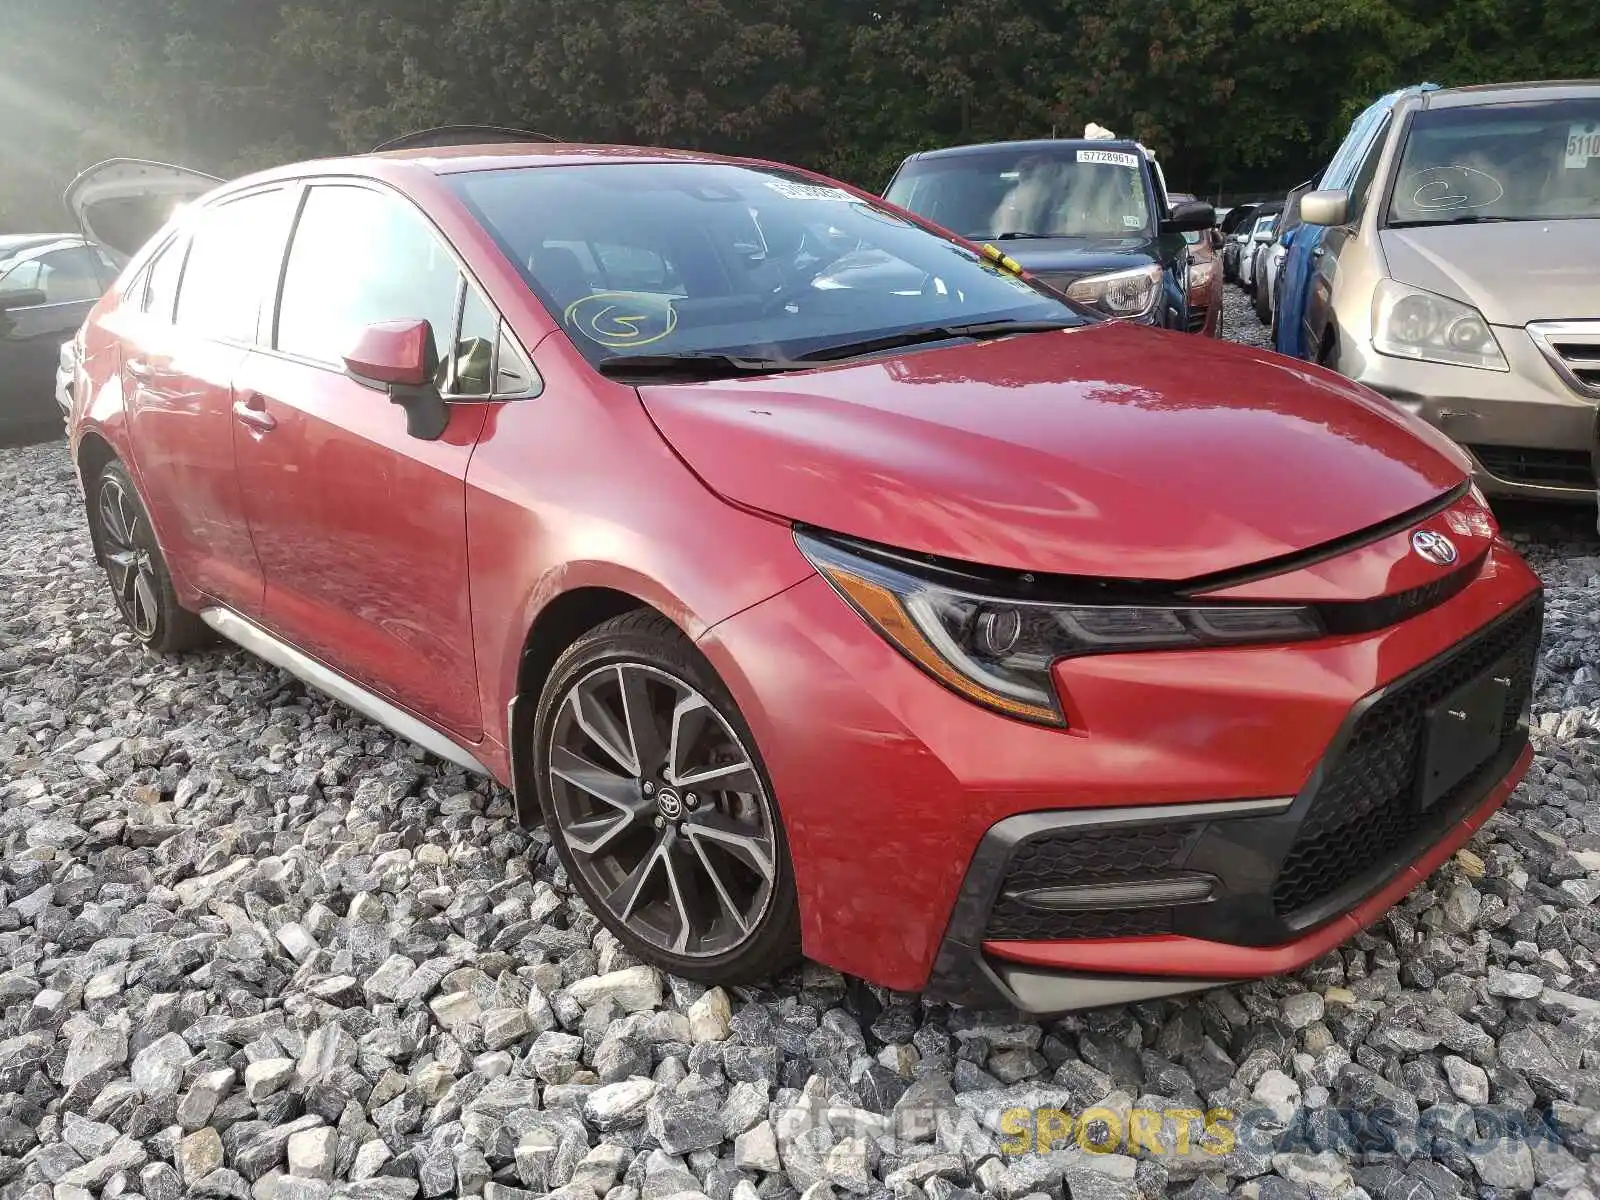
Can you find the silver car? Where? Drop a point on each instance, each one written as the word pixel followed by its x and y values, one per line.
pixel 1459 275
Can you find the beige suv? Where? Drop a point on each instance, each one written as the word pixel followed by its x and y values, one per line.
pixel 1459 275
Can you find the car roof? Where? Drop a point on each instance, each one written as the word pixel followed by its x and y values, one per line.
pixel 1127 145
pixel 451 160
pixel 460 160
pixel 1510 93
pixel 12 243
pixel 28 250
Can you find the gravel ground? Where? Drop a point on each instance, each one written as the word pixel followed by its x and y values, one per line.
pixel 251 946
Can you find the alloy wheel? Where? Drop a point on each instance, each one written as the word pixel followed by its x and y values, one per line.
pixel 663 810
pixel 129 545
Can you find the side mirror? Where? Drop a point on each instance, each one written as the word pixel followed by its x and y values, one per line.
pixel 31 298
pixel 1216 238
pixel 1325 208
pixel 1190 216
pixel 398 357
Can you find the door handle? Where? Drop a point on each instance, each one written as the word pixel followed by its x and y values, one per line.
pixel 250 409
pixel 1318 252
pixel 141 371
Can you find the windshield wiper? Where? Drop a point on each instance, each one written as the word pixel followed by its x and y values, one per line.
pixel 936 333
pixel 1458 219
pixel 696 365
pixel 1014 235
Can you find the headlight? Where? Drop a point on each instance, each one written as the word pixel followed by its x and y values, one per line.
pixel 1200 273
pixel 1408 322
pixel 996 649
pixel 1130 293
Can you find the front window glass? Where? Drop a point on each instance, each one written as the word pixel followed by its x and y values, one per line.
pixel 360 257
pixel 1536 161
pixel 1072 192
pixel 680 258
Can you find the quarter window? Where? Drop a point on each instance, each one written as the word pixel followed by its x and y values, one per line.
pixel 161 292
pixel 234 257
pixel 473 369
pixel 24 277
pixel 358 257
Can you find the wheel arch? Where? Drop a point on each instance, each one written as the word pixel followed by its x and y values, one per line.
pixel 558 624
pixel 93 453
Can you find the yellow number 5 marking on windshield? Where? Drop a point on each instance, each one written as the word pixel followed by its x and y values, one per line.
pixel 598 318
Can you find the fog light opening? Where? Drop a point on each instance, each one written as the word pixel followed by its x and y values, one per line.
pixel 1133 893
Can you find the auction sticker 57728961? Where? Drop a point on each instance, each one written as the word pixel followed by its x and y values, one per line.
pixel 1117 158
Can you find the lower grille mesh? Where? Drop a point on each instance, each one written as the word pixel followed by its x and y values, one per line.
pixel 1363 811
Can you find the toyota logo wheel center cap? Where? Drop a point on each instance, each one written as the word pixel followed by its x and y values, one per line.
pixel 670 804
pixel 1433 547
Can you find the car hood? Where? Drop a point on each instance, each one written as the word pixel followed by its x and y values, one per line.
pixel 123 202
pixel 1511 271
pixel 1073 258
pixel 1105 450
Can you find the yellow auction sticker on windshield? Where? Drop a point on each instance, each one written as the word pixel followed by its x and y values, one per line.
pixel 622 320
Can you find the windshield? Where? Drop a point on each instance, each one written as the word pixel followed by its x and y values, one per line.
pixel 1536 161
pixel 714 258
pixel 1066 192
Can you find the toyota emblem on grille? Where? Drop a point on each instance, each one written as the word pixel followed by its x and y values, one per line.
pixel 1435 547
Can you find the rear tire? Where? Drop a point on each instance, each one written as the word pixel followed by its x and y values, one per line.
pixel 125 543
pixel 1263 306
pixel 660 807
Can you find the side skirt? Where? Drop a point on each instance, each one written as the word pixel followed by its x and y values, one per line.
pixel 258 641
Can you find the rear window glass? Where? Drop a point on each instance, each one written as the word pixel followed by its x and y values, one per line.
pixel 234 256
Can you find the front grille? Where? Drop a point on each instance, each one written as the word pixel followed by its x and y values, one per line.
pixel 1364 616
pixel 1535 465
pixel 1573 349
pixel 1363 812
pixel 1063 857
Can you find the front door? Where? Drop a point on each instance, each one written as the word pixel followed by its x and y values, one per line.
pixel 361 528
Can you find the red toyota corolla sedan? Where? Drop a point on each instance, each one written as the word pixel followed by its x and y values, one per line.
pixel 821 583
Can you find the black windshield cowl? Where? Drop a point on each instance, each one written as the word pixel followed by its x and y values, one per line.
pixel 1458 219
pixel 657 368
pixel 936 333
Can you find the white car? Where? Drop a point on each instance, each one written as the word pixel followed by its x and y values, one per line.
pixel 1260 234
pixel 1267 284
pixel 66 370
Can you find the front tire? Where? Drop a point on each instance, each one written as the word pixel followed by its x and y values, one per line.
pixel 660 807
pixel 125 543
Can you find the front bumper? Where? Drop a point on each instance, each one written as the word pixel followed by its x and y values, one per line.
pixel 889 784
pixel 1530 435
pixel 1292 877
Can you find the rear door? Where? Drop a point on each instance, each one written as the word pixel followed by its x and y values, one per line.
pixel 361 528
pixel 199 312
